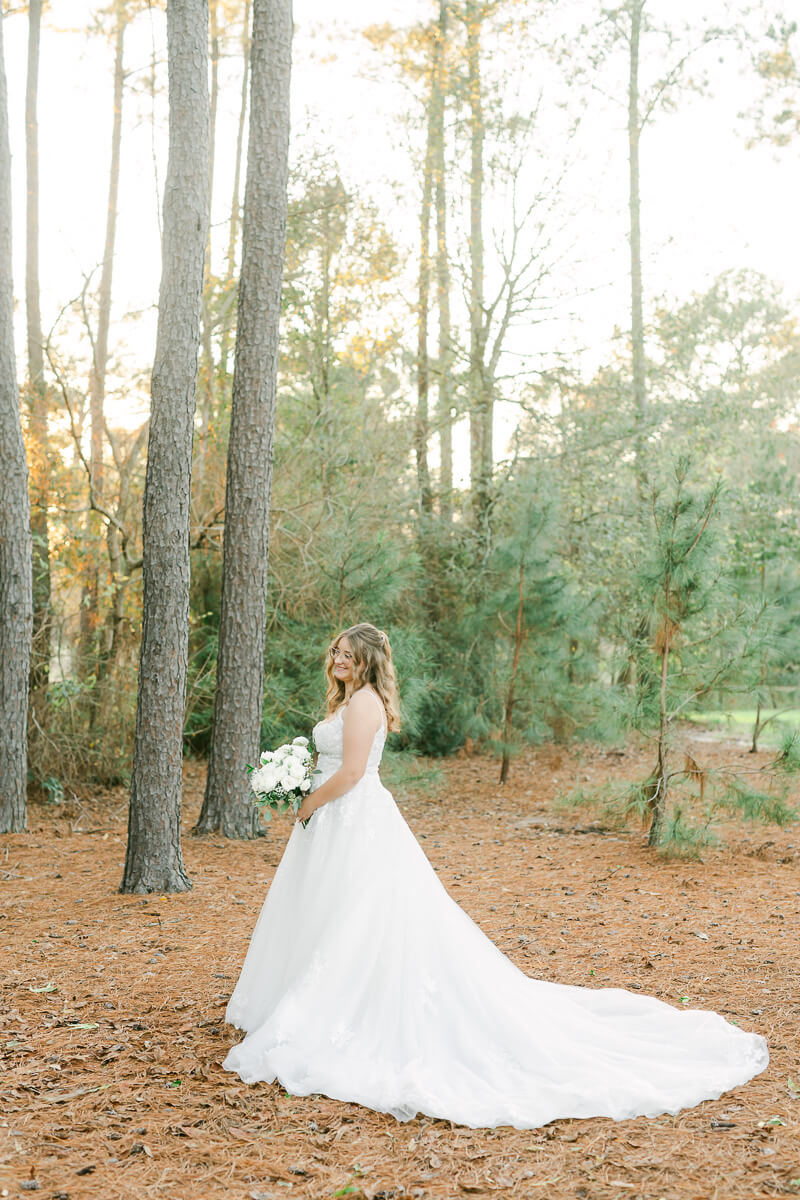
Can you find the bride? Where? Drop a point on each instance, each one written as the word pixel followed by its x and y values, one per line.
pixel 366 982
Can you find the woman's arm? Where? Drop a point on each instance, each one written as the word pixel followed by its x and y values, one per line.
pixel 360 723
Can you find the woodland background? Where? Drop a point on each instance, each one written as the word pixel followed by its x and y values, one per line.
pixel 566 538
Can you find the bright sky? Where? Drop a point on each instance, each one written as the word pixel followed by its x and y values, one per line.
pixel 709 204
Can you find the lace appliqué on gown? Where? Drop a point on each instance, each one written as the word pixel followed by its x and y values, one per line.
pixel 366 982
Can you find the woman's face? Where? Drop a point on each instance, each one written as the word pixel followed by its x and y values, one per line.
pixel 342 656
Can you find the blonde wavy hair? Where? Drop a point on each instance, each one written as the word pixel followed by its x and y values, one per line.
pixel 372 665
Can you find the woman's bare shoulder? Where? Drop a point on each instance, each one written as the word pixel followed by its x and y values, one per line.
pixel 365 705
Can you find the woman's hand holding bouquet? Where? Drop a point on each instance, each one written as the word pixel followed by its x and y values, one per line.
pixel 283 778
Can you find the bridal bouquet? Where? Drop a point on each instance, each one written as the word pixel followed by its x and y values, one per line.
pixel 283 778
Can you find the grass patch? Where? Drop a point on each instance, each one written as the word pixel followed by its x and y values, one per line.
pixel 739 722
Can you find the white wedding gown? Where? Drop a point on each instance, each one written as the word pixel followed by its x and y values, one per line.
pixel 366 982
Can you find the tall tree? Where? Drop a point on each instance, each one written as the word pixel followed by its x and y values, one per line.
pixel 206 403
pixel 242 635
pixel 445 349
pixel 99 364
pixel 422 422
pixel 233 227
pixel 40 658
pixel 16 602
pixel 480 399
pixel 519 257
pixel 639 380
pixel 154 861
pixel 632 27
pixel 97 374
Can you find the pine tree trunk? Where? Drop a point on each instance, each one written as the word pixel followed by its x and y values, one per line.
pixel 757 727
pixel 634 205
pixel 40 653
pixel 97 373
pixel 660 793
pixel 121 568
pixel 16 599
pixel 154 861
pixel 235 737
pixel 511 691
pixel 206 397
pixel 445 352
pixel 480 417
pixel 422 422
pixel 233 229
pixel 323 331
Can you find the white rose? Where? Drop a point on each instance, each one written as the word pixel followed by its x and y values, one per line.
pixel 301 741
pixel 305 785
pixel 257 780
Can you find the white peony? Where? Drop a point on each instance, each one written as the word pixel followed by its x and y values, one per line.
pixel 261 780
pixel 282 777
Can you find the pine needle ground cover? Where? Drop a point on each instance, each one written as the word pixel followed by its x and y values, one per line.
pixel 113 1006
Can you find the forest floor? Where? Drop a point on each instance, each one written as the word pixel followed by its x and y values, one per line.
pixel 113 1006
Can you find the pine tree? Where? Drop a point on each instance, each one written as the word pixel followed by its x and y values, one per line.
pixel 240 667
pixel 16 598
pixel 154 861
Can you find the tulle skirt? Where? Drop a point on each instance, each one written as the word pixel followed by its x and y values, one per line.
pixel 366 982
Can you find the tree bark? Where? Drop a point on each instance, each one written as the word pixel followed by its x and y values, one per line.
pixel 445 349
pixel 660 792
pixel 481 415
pixel 235 737
pixel 40 654
pixel 511 692
pixel 154 861
pixel 16 599
pixel 97 373
pixel 206 399
pixel 233 229
pixel 422 421
pixel 634 206
pixel 121 566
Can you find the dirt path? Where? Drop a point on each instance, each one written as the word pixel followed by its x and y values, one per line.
pixel 112 1007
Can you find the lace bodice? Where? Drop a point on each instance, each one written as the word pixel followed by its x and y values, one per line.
pixel 328 738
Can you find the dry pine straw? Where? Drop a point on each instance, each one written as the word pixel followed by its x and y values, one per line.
pixel 113 1006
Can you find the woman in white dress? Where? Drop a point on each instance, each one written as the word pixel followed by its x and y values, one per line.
pixel 366 982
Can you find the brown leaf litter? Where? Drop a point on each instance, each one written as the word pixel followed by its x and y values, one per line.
pixel 112 1006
